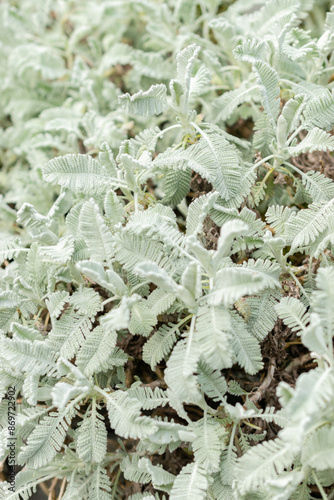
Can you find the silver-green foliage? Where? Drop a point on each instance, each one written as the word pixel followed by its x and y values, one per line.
pixel 96 254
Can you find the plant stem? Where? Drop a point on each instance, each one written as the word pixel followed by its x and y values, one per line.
pixel 38 314
pixel 230 446
pixel 114 490
pixel 321 490
pixel 268 174
pixel 109 300
pixel 159 136
pixel 190 336
pixel 296 169
pixel 101 391
pixel 325 258
pixel 296 132
pixel 262 161
pixel 135 197
pixel 184 320
pixel 310 269
pixel 252 425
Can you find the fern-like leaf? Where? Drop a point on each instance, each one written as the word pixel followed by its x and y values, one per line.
pixel 125 417
pixel 316 140
pixel 267 80
pixel 47 438
pixel 181 367
pixel 190 484
pixel 212 157
pixel 318 452
pixel 160 344
pixel 92 437
pixel 207 446
pixel 100 485
pixel 151 102
pixel 308 224
pixel 261 463
pixel 319 111
pixel 24 355
pixel 79 173
pixel 321 188
pixel 293 312
pixel 95 232
pixel 213 332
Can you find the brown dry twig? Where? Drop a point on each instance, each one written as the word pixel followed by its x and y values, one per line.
pixel 44 488
pixel 260 392
pixel 154 384
pixel 297 362
pixel 62 488
pixel 52 494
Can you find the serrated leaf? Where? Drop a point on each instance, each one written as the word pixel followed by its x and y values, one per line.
pixel 151 102
pixel 79 173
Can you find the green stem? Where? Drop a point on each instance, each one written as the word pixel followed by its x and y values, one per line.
pixel 323 70
pixel 262 161
pixel 289 82
pixel 135 197
pixel 109 300
pixel 229 68
pixel 268 174
pixel 114 490
pixel 187 254
pixel 184 320
pixel 317 482
pixel 230 446
pixel 190 336
pixel 325 258
pixel 320 423
pixel 205 31
pixel 252 425
pixel 39 313
pixel 296 169
pixel 159 136
pixel 102 392
pixel 113 457
pixel 296 132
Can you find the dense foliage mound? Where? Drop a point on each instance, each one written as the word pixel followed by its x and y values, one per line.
pixel 167 235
